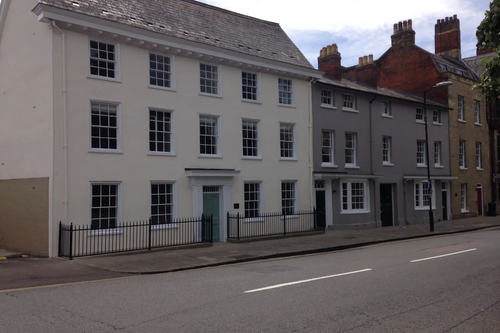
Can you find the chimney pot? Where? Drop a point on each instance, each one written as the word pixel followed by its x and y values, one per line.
pixel 410 25
pixel 395 27
pixel 405 25
pixel 455 16
pixel 322 53
pixel 446 19
pixel 400 26
pixel 335 49
pixel 365 60
pixel 360 61
pixel 370 59
pixel 328 50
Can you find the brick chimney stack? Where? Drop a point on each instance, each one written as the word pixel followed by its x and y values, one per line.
pixel 486 50
pixel 403 33
pixel 329 61
pixel 447 37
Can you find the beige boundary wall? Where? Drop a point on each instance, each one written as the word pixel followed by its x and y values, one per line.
pixel 24 215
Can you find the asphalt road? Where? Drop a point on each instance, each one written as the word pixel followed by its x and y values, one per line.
pixel 442 284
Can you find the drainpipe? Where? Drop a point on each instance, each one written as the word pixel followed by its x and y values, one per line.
pixel 311 148
pixel 371 159
pixel 65 136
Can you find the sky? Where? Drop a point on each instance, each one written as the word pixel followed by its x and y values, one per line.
pixel 361 27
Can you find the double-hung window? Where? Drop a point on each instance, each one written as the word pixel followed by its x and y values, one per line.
pixel 355 197
pixel 285 91
pixel 386 109
pixel 288 197
pixel 461 108
pixel 104 206
pixel 160 132
pixel 103 60
pixel 348 102
pixel 462 161
pixel 422 197
pixel 350 150
pixel 250 135
pixel 437 154
pixel 327 147
pixel 479 157
pixel 477 112
pixel 104 127
pixel 463 197
pixel 419 115
pixel 387 150
pixel 436 117
pixel 209 135
pixel 162 203
pixel 287 141
pixel 209 79
pixel 160 70
pixel 327 99
pixel 249 86
pixel 252 200
pixel 421 157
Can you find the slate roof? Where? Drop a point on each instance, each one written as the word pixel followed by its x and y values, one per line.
pixel 445 63
pixel 379 91
pixel 195 21
pixel 475 64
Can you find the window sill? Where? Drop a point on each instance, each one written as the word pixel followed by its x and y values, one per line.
pixel 162 88
pixel 105 151
pixel 210 95
pixel 438 166
pixel 388 164
pixel 287 106
pixel 254 219
pixel 479 169
pixel 104 232
pixel 289 217
pixel 255 158
pixel 464 211
pixel 351 166
pixel 420 121
pixel 461 121
pixel 424 208
pixel 164 226
pixel 328 165
pixel 103 78
pixel 437 124
pixel 328 106
pixel 387 116
pixel 421 166
pixel 209 156
pixel 478 124
pixel 350 110
pixel 351 212
pixel 288 158
pixel 152 153
pixel 252 101
pixel 464 169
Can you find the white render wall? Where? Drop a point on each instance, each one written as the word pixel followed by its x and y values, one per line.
pixel 26 123
pixel 135 169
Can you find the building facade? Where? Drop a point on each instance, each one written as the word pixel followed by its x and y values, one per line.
pixel 152 113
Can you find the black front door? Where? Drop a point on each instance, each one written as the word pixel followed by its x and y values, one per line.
pixel 386 205
pixel 320 209
pixel 444 200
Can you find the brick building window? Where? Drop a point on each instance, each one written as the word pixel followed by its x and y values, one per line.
pixel 419 115
pixel 421 153
pixel 462 161
pixel 477 112
pixel 461 108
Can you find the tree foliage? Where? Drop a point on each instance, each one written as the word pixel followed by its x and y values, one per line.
pixel 488 35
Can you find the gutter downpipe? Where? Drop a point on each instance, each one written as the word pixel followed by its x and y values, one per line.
pixel 311 148
pixel 65 136
pixel 371 160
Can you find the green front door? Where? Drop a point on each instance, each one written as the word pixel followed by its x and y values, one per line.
pixel 211 207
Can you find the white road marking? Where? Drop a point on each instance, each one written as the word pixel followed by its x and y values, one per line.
pixel 444 255
pixel 305 281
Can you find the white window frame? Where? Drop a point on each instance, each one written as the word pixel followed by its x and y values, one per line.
pixel 463 198
pixel 366 196
pixel 424 155
pixel 419 195
pixel 436 117
pixel 119 222
pixel 477 112
pixel 218 143
pixel 462 155
pixel 330 148
pixel 217 80
pixel 386 109
pixel 259 201
pixel 420 115
pixel 354 149
pixel 173 214
pixel 295 197
pixel 118 149
pixel 171 73
pixel 438 161
pixel 387 150
pixel 479 156
pixel 172 132
pixel 285 96
pixel 257 139
pixel 116 61
pixel 257 87
pixel 349 102
pixel 293 142
pixel 330 100
pixel 461 108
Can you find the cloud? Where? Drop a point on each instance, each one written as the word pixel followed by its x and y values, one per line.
pixel 360 27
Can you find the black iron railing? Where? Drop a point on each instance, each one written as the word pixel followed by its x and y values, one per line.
pixel 269 224
pixel 83 240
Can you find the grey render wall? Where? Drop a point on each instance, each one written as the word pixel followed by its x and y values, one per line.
pixel 404 131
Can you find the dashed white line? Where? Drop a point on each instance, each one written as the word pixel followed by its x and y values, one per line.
pixel 443 255
pixel 305 281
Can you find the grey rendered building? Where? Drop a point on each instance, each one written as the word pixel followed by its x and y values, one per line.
pixel 369 156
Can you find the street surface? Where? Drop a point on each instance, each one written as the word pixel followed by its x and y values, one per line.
pixel 441 284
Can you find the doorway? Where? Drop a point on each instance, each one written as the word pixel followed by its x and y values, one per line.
pixel 211 207
pixel 444 201
pixel 319 186
pixel 479 194
pixel 386 205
